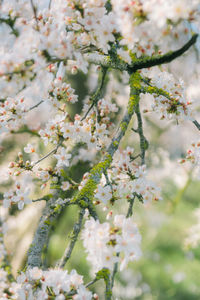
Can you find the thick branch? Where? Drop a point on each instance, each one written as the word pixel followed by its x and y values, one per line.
pixel 106 61
pixel 156 60
pixel 85 197
pixel 40 240
pixel 141 63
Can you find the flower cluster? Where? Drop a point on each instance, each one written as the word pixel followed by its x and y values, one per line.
pixel 19 195
pixel 38 284
pixel 43 44
pixel 103 193
pixel 170 99
pixel 51 132
pixel 88 25
pixel 169 10
pixel 138 20
pixel 193 156
pixel 60 90
pixel 8 290
pixel 103 242
pixel 11 112
pixel 130 179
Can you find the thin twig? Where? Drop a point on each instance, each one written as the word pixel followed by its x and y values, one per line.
pixel 91 282
pixel 25 129
pixel 34 12
pixel 74 292
pixel 143 141
pixel 10 22
pixel 196 123
pixel 132 158
pixel 50 4
pixel 87 112
pixel 130 208
pixel 98 94
pixel 39 199
pixel 36 105
pixel 128 215
pixel 76 231
pixel 108 181
pixel 47 155
pixel 115 270
pixel 31 108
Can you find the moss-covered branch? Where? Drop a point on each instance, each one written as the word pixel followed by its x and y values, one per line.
pixel 85 196
pixel 143 141
pixel 41 237
pixel 156 60
pixel 141 63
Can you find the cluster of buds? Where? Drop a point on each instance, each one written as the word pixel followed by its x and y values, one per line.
pixel 20 165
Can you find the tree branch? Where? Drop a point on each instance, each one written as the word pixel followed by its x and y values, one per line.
pixel 106 61
pixel 36 105
pixel 85 196
pixel 130 209
pixel 33 164
pixel 10 22
pixel 98 94
pixel 76 231
pixel 156 60
pixel 143 141
pixel 128 215
pixel 141 63
pixel 41 237
pixel 196 123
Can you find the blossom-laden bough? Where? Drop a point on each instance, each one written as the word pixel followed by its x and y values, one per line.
pixel 44 43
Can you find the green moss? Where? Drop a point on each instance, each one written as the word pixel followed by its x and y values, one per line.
pixel 123 126
pixel 103 274
pixel 135 80
pixel 102 166
pixel 155 90
pixel 133 101
pixel 87 192
pixel 47 222
pixel 115 143
pixel 57 208
pixel 135 86
pixel 108 60
pixel 133 56
pixel 83 204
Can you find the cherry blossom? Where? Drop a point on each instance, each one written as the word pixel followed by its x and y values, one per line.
pixel 133 58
